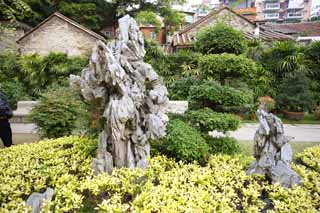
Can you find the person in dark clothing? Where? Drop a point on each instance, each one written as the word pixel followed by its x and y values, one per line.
pixel 5 128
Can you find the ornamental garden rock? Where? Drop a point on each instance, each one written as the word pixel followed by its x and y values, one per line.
pixel 272 150
pixel 131 95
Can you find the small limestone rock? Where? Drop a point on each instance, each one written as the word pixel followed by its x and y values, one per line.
pixel 272 151
pixel 35 200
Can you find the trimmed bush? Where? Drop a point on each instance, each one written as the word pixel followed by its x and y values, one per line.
pixel 56 112
pixel 183 142
pixel 212 94
pixel 223 66
pixel 226 145
pixel 207 120
pixel 179 89
pixel 220 39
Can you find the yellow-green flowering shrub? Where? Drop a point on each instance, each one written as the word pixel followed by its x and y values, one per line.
pixel 165 186
pixel 311 157
pixel 61 164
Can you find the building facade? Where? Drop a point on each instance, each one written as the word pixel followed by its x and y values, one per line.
pixel 58 34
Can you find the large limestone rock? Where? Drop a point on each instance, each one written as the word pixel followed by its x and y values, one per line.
pixel 272 151
pixel 131 95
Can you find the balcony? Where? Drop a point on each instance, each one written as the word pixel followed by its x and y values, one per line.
pixel 271 6
pixel 271 16
pixel 294 16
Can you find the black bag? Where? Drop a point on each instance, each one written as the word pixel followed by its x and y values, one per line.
pixel 5 111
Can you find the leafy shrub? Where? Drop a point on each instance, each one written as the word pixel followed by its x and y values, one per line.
pixel 56 112
pixel 183 142
pixel 294 93
pixel 220 39
pixel 224 145
pixel 179 89
pixel 211 94
pixel 55 68
pixel 14 91
pixel 223 66
pixel 61 164
pixel 9 68
pixel 207 120
pixel 312 54
pixel 165 186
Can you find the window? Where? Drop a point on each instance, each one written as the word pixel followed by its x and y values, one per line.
pixel 271 15
pixel 272 6
pixel 108 34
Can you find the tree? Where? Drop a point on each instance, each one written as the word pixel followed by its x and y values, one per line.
pixel 13 9
pixel 149 17
pixel 90 13
pixel 95 14
pixel 220 39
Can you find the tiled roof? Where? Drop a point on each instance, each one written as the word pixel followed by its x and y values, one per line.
pixel 59 15
pixel 186 38
pixel 302 28
pixel 250 13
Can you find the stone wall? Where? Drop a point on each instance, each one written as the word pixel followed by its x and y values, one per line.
pixel 8 38
pixel 57 35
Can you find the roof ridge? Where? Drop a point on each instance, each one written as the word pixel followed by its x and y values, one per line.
pixel 70 21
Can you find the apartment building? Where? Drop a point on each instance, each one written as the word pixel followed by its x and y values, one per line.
pixel 283 10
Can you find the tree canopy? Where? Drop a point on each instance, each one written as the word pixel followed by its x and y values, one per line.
pixel 95 14
pixel 13 9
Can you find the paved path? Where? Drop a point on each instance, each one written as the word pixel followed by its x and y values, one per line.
pixel 301 132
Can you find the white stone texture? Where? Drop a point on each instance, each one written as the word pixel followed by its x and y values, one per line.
pixel 132 95
pixel 177 107
pixel 272 151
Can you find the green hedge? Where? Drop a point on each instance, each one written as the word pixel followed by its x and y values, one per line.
pixel 220 38
pixel 225 145
pixel 182 143
pixel 165 186
pixel 211 93
pixel 207 120
pixel 223 66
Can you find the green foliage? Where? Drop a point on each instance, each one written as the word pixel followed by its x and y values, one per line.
pixel 9 68
pixel 211 94
pixel 165 186
pixel 56 112
pixel 172 18
pixel 183 142
pixel 312 54
pixel 207 120
pixel 55 68
pixel 220 39
pixel 179 89
pixel 310 157
pixel 224 145
pixel 149 18
pixel 14 91
pixel 282 58
pixel 13 9
pixel 61 164
pixel 294 93
pixel 223 66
